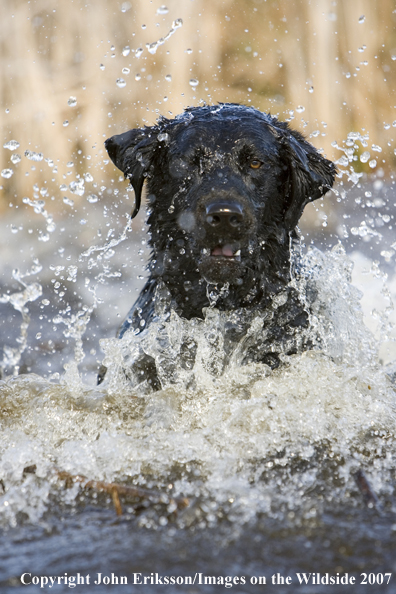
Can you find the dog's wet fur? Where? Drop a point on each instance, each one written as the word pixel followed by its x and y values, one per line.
pixel 226 187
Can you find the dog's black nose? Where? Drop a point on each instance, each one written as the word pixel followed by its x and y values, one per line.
pixel 224 215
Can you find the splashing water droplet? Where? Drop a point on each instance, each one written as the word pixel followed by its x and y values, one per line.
pixel 125 71
pixel 92 198
pixel 88 177
pixel 164 137
pixel 126 50
pixel 343 161
pixel 32 156
pixel 162 9
pixel 152 47
pixel 168 77
pixel 189 51
pixel 139 52
pixel 193 82
pixel 72 101
pixel 362 19
pixel 373 163
pixel 7 173
pixel 16 158
pixel 65 123
pixel 300 109
pixel 77 187
pixel 138 76
pixel 364 157
pixel 102 66
pixel 51 226
pixel 393 57
pixel 177 23
pixel 120 82
pixel 72 271
pixel 11 145
pixel 311 90
pixel 68 201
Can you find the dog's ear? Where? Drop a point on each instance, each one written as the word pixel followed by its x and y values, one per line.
pixel 132 153
pixel 310 175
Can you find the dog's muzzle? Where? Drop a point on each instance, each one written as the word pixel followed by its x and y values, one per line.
pixel 225 224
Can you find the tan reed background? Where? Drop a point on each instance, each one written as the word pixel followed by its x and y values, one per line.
pixel 336 59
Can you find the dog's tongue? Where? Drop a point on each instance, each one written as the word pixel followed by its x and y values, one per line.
pixel 223 250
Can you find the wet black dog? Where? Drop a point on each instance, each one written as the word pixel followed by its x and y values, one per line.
pixel 226 187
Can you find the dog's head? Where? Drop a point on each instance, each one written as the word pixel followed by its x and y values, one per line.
pixel 227 185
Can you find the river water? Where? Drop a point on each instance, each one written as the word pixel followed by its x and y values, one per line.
pixel 267 460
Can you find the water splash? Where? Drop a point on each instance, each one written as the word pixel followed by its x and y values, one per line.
pixel 33 156
pixel 238 439
pixel 152 47
pixel 38 207
pixel 77 322
pixel 337 327
pixel 18 300
pixel 16 158
pixel 7 173
pixel 11 145
pixel 77 187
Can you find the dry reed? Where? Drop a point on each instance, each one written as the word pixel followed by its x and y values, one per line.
pixel 278 55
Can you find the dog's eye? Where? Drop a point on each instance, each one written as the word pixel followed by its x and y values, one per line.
pixel 255 164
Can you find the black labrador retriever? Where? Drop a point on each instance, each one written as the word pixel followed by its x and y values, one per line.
pixel 226 186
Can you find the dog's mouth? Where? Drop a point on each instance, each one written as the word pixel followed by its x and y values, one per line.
pixel 227 251
pixel 221 263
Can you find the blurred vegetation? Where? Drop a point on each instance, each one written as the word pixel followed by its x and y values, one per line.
pixel 75 72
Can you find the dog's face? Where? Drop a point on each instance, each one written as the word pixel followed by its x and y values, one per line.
pixel 226 186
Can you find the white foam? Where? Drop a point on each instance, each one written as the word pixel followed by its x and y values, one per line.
pixel 243 438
